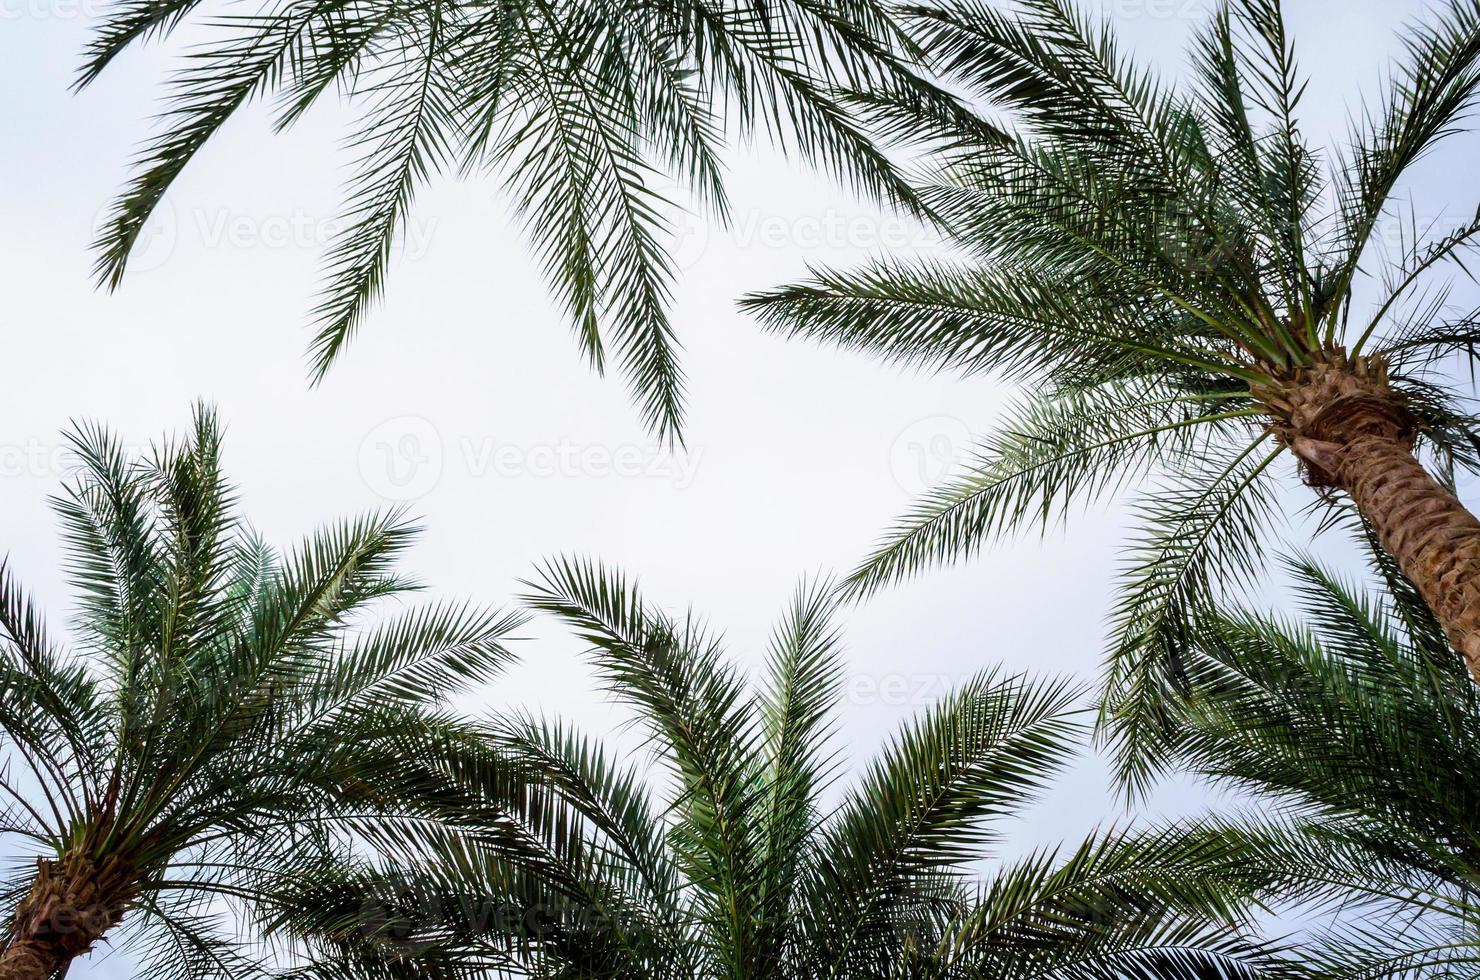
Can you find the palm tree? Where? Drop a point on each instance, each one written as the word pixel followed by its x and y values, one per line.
pixel 228 721
pixel 1356 728
pixel 737 858
pixel 1173 274
pixel 586 108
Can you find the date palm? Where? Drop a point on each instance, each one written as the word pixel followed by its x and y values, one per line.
pixel 737 857
pixel 227 722
pixel 1355 725
pixel 1196 298
pixel 585 108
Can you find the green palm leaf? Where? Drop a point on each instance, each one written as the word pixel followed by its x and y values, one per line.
pixel 722 858
pixel 1173 273
pixel 1360 733
pixel 226 726
pixel 581 106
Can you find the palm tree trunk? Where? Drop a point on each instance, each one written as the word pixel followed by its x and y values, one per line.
pixel 1431 535
pixel 73 902
pixel 1352 431
pixel 28 959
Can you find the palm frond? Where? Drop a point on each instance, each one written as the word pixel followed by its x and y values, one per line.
pixel 402 139
pixel 1051 456
pixel 232 724
pixel 1432 89
pixel 924 807
pixel 690 702
pixel 1343 723
pixel 544 854
pixel 1203 544
pixel 584 106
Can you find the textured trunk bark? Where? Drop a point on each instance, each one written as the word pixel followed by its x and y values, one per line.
pixel 1353 432
pixel 73 902
pixel 1431 535
pixel 29 959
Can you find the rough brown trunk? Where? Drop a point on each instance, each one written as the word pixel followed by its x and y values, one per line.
pixel 73 902
pixel 28 959
pixel 1352 432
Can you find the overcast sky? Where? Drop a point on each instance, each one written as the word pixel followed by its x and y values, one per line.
pixel 466 399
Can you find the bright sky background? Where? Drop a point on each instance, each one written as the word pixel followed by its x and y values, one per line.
pixel 465 396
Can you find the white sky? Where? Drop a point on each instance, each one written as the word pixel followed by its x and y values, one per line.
pixel 465 393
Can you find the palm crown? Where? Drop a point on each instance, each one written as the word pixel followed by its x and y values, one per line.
pixel 1356 727
pixel 1174 274
pixel 741 868
pixel 229 720
pixel 585 107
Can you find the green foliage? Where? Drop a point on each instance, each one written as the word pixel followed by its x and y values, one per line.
pixel 737 856
pixel 1356 728
pixel 1139 257
pixel 231 721
pixel 585 108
